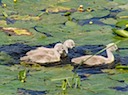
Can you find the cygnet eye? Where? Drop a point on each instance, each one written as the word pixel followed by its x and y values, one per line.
pixel 72 45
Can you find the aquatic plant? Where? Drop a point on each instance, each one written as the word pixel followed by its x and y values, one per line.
pixel 122 67
pixel 121 32
pixel 81 9
pixel 4 5
pixel 15 1
pixel 5 14
pixel 69 82
pixel 121 28
pixel 22 75
pixel 15 31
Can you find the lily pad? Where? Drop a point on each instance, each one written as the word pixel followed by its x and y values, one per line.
pixel 122 67
pixel 57 9
pixel 120 76
pixel 81 15
pixel 3 23
pixel 120 1
pixel 16 31
pixel 123 14
pixel 122 23
pixel 88 15
pixel 100 13
pixel 40 80
pixel 53 19
pixel 125 6
pixel 27 17
pixel 71 24
pixel 99 87
pixel 121 32
pixel 110 21
pixel 123 53
pixel 111 5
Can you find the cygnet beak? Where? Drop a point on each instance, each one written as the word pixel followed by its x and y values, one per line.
pixel 66 51
pixel 64 54
pixel 118 50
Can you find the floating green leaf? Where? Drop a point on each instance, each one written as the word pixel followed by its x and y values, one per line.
pixel 82 15
pixel 3 23
pixel 57 9
pixel 122 67
pixel 110 21
pixel 122 15
pixel 100 13
pixel 5 14
pixel 121 32
pixel 122 23
pixel 15 31
pixel 26 17
pixel 64 84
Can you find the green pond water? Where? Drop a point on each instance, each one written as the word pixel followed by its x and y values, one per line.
pixel 51 21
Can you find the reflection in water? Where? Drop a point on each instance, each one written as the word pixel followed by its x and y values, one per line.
pixel 22 91
pixel 120 88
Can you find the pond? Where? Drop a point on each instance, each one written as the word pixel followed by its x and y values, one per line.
pixel 28 24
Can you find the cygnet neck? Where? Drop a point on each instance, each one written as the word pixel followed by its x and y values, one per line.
pixel 110 57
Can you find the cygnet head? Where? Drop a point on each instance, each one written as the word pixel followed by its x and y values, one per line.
pixel 69 43
pixel 60 48
pixel 112 47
